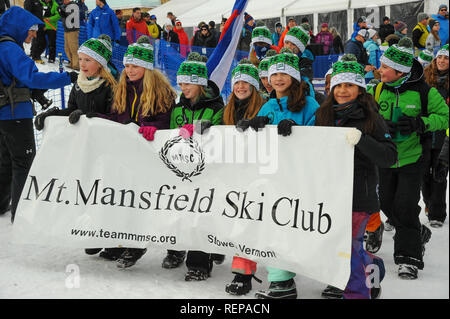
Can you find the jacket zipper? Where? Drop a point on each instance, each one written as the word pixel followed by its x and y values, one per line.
pixel 392 114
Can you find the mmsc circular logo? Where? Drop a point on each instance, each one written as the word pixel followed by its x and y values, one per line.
pixel 184 157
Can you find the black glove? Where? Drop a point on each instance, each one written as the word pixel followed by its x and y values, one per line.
pixel 73 76
pixel 38 96
pixel 90 115
pixel 392 127
pixel 285 127
pixel 202 126
pixel 259 122
pixel 242 125
pixel 74 117
pixel 408 125
pixel 40 119
pixel 440 172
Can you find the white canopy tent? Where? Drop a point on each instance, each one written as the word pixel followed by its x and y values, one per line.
pixel 195 11
pixel 177 7
pixel 212 10
pixel 120 4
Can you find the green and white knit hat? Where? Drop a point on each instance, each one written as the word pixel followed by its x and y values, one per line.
pixel 193 70
pixel 443 51
pixel 99 49
pixel 247 72
pixel 261 34
pixel 264 64
pixel 140 53
pixel 399 56
pixel 425 57
pixel 286 62
pixel 299 36
pixel 348 70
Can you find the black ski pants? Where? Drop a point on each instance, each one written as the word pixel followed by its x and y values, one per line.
pixel 434 193
pixel 399 198
pixel 17 150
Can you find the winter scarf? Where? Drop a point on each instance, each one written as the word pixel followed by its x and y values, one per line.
pixel 87 84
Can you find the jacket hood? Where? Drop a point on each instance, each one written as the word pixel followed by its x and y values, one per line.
pixel 105 7
pixel 417 73
pixel 16 22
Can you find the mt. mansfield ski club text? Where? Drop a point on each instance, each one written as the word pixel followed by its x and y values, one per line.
pixel 284 212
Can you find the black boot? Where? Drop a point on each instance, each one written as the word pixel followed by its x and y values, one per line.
pixel 375 239
pixel 112 253
pixel 279 290
pixel 332 292
pixel 218 259
pixel 406 271
pixel 5 210
pixel 129 257
pixel 241 285
pixel 173 259
pixel 196 275
pixel 92 251
pixel 425 236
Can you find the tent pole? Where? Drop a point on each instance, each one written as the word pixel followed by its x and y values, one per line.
pixel 350 18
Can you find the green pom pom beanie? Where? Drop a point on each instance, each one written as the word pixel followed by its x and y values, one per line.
pixel 140 53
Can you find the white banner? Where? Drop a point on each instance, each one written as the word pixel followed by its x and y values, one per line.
pixel 284 202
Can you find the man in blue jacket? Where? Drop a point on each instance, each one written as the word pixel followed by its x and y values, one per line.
pixel 18 75
pixel 103 20
pixel 442 18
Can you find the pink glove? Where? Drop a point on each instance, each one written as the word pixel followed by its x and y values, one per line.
pixel 148 132
pixel 187 130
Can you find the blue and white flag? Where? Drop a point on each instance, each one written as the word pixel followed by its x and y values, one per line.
pixel 219 63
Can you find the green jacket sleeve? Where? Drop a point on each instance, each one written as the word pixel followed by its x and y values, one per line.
pixel 217 118
pixel 437 112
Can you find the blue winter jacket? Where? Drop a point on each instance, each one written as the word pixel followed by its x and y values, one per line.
pixel 443 31
pixel 279 111
pixel 371 48
pixel 103 21
pixel 14 62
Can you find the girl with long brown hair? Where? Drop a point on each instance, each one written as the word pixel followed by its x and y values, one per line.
pixel 435 191
pixel 245 100
pixel 244 104
pixel 143 96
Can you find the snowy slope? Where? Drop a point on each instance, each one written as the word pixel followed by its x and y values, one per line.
pixel 48 272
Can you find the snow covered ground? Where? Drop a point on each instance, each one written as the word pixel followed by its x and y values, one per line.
pixel 28 271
